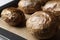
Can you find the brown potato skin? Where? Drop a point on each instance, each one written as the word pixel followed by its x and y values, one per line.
pixel 33 5
pixel 17 16
pixel 44 30
pixel 54 7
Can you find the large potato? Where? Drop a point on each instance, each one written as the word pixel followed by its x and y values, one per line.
pixel 42 24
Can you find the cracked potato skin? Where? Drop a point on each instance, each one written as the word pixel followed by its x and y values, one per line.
pixel 12 16
pixel 42 25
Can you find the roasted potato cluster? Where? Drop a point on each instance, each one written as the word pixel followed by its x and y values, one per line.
pixel 41 17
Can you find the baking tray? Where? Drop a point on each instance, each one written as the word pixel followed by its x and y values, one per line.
pixel 20 32
pixel 6 35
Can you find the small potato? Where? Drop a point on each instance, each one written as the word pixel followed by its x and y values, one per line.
pixel 12 16
pixel 52 6
pixel 30 6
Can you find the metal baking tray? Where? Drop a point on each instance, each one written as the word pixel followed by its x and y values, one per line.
pixel 8 3
pixel 6 35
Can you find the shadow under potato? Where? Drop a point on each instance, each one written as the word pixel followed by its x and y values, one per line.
pixel 56 37
pixel 21 25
